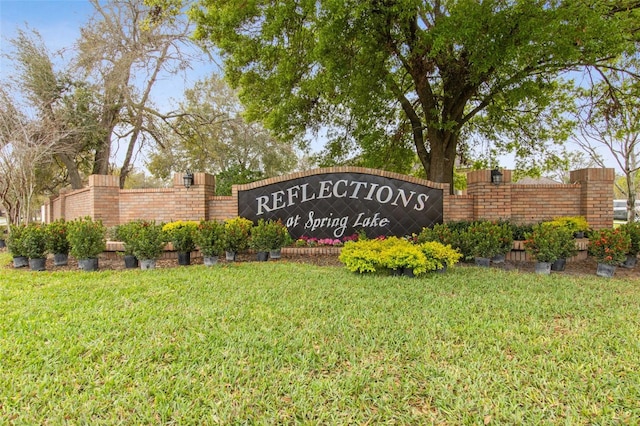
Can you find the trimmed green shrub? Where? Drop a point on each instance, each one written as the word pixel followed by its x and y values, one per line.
pixel 209 237
pixel 34 237
pixel 548 242
pixel 236 234
pixel 57 241
pixel 181 234
pixel 15 241
pixel 632 229
pixel 149 240
pixel 609 246
pixel 363 255
pixel 439 255
pixel 86 237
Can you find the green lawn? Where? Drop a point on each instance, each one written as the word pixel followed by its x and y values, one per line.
pixel 274 343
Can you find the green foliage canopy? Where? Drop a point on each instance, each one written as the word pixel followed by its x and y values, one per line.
pixel 419 70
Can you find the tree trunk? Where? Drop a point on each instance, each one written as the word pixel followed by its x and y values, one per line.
pixel 442 157
pixel 75 180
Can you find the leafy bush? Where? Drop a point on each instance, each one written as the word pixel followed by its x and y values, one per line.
pixel 57 241
pixel 236 234
pixel 364 255
pixel 34 238
pixel 15 241
pixel 632 229
pixel 401 254
pixel 268 235
pixel 86 237
pixel 609 246
pixel 572 223
pixel 181 233
pixel 488 239
pixel 126 234
pixel 149 240
pixel 548 242
pixel 209 237
pixel 519 231
pixel 396 253
pixel 439 255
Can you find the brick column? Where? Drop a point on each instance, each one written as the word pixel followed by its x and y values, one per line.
pixel 105 198
pixel 596 195
pixel 490 201
pixel 193 203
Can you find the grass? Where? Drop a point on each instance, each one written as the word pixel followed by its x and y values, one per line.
pixel 278 343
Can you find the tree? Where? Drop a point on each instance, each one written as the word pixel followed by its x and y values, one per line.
pixel 125 48
pixel 58 98
pixel 609 118
pixel 210 135
pixel 27 144
pixel 433 66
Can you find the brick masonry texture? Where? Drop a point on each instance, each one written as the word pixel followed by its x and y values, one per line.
pixel 590 195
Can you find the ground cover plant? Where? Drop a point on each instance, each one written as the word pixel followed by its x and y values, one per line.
pixel 282 342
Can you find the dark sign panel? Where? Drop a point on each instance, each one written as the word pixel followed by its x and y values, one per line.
pixel 336 205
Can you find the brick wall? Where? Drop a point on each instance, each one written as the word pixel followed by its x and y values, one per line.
pixel 590 195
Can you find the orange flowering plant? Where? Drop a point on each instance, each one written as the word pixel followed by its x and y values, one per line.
pixel 609 246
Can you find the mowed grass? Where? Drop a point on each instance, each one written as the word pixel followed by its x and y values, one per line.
pixel 286 343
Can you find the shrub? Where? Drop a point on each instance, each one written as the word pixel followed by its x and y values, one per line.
pixel 34 237
pixel 632 229
pixel 488 239
pixel 149 240
pixel 572 223
pixel 363 255
pixel 86 237
pixel 15 241
pixel 396 254
pixel 209 237
pixel 548 242
pixel 181 233
pixel 236 234
pixel 519 231
pixel 269 235
pixel 126 234
pixel 401 254
pixel 57 241
pixel 439 255
pixel 609 246
pixel 453 234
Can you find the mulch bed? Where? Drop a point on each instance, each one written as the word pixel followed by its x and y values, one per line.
pixel 577 268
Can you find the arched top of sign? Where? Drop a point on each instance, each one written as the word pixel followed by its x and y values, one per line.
pixel 327 170
pixel 340 201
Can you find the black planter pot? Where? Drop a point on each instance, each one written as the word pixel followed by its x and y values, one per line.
pixel 559 265
pixel 184 258
pixel 484 262
pixel 630 262
pixel 3 244
pixel 275 254
pixel 130 261
pixel 38 264
pixel 408 272
pixel 20 262
pixel 262 256
pixel 60 259
pixel 88 265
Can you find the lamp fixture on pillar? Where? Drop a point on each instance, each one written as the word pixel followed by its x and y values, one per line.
pixel 188 179
pixel 496 176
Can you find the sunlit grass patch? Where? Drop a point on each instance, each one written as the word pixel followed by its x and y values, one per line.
pixel 292 343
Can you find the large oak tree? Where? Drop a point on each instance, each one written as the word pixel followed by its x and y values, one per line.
pixel 377 66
